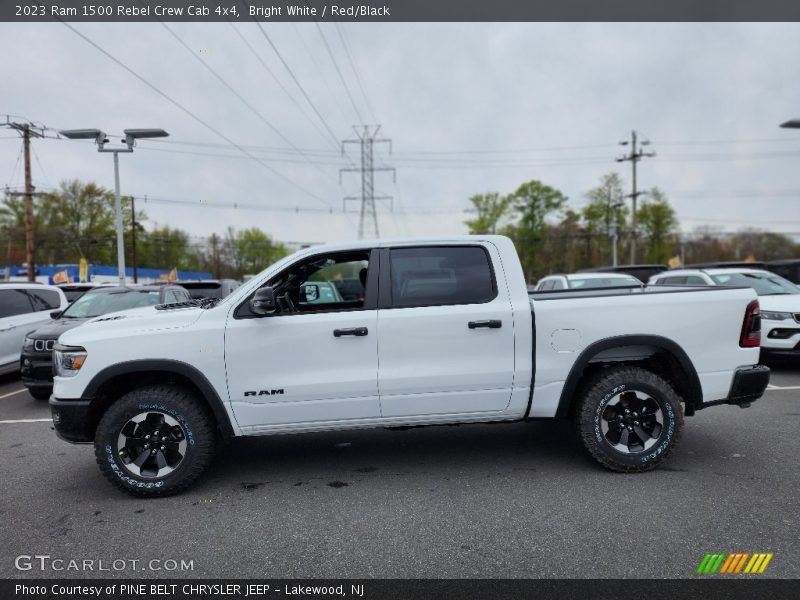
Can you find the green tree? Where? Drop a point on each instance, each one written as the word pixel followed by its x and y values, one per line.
pixel 658 224
pixel 75 221
pixel 598 216
pixel 252 250
pixel 165 247
pixel 533 203
pixel 491 209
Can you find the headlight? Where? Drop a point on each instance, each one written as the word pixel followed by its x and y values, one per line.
pixel 68 362
pixel 772 315
pixel 27 344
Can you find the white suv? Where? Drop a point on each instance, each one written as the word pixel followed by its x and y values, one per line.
pixel 779 299
pixel 585 281
pixel 23 308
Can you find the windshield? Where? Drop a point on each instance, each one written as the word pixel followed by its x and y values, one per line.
pixel 765 284
pixel 94 304
pixel 602 282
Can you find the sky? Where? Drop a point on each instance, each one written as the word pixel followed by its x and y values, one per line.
pixel 256 116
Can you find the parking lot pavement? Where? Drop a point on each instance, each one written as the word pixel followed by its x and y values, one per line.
pixel 518 500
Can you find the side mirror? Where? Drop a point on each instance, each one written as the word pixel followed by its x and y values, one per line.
pixel 55 314
pixel 263 302
pixel 309 293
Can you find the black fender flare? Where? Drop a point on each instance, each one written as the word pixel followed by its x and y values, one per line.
pixel 694 397
pixel 177 367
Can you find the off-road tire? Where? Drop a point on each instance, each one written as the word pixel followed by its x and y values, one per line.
pixel 175 403
pixel 592 409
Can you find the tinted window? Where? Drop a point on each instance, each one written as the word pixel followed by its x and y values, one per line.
pixel 14 302
pixel 547 285
pixel 440 275
pixel 695 280
pixel 558 284
pixel 677 279
pixel 45 299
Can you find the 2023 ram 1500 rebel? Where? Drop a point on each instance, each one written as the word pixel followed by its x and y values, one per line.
pixel 445 332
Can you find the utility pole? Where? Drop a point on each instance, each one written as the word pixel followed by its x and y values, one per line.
pixel 636 154
pixel 614 233
pixel 28 130
pixel 133 238
pixel 368 215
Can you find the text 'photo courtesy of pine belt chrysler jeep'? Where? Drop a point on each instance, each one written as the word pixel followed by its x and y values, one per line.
pixel 445 332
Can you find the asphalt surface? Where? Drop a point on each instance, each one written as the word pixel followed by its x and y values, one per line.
pixel 518 500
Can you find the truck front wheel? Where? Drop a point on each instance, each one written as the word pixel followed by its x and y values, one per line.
pixel 154 441
pixel 628 419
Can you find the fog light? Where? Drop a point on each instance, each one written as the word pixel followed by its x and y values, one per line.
pixel 56 417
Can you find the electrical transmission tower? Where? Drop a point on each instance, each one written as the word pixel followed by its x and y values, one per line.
pixel 27 130
pixel 368 221
pixel 634 157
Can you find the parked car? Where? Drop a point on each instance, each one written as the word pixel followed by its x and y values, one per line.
pixel 641 272
pixel 152 388
pixel 210 288
pixel 584 281
pixel 23 307
pixel 36 360
pixel 779 299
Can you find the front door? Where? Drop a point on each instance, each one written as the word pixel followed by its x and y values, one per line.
pixel 315 360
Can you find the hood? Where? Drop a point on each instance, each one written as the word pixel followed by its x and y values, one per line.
pixel 52 330
pixel 781 303
pixel 135 321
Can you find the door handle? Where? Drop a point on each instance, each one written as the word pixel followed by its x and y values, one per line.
pixel 490 324
pixel 357 331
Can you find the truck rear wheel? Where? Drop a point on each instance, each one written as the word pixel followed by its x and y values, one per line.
pixel 628 419
pixel 154 441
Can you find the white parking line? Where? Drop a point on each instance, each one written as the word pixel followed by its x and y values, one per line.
pixel 27 421
pixel 14 392
pixel 783 387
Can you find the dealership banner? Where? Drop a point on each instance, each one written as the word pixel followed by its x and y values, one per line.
pixel 243 11
pixel 396 589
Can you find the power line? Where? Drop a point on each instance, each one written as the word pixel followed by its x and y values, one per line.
pixel 278 81
pixel 230 88
pixel 339 72
pixel 194 116
pixel 296 81
pixel 354 66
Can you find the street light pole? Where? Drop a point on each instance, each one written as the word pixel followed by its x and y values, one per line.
pixel 792 124
pixel 131 135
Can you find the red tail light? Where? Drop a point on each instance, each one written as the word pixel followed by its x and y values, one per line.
pixel 751 328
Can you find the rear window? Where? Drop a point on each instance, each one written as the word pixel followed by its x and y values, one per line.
pixel 14 302
pixel 441 275
pixel 204 290
pixel 45 299
pixel 601 282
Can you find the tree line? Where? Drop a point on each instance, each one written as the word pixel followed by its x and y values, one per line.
pixel 552 237
pixel 78 221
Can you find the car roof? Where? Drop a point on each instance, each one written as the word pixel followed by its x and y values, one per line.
pixel 592 275
pixel 23 285
pixel 716 271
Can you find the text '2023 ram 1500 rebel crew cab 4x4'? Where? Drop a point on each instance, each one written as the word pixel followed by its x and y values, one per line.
pixel 445 332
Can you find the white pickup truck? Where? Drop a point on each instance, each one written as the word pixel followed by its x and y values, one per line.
pixel 444 332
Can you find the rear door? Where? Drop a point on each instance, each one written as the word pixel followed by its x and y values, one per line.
pixel 446 335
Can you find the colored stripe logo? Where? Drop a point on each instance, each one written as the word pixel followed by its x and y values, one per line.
pixel 737 562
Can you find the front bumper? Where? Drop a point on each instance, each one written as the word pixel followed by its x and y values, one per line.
pixel 780 336
pixel 71 420
pixel 36 369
